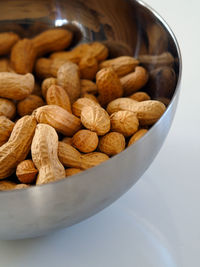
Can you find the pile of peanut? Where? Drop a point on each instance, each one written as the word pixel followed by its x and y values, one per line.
pixel 68 111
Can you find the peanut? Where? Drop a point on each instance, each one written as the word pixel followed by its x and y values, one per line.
pixel 122 65
pixel 81 103
pixel 56 95
pixel 112 143
pixel 134 81
pixel 124 122
pixel 7 108
pixel 44 150
pixel 85 141
pixel 26 172
pixel 95 119
pixel 16 86
pixel 52 40
pixel 59 118
pixel 29 104
pixel 156 61
pixel 23 56
pixel 108 85
pixel 7 40
pixel 69 156
pixel 92 159
pixel 121 104
pixel 68 78
pixel 46 84
pixel 18 145
pixel 149 111
pixel 137 136
pixel 6 127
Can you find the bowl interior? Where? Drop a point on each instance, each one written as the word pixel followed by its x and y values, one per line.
pixel 126 27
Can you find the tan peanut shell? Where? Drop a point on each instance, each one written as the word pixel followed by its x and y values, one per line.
pixel 124 122
pixel 52 40
pixel 18 145
pixel 16 86
pixel 88 68
pixel 7 40
pixel 108 85
pixel 96 50
pixel 85 141
pixel 26 172
pixel 72 171
pixel 148 112
pixel 95 119
pixel 46 84
pixel 140 96
pixel 60 119
pixel 44 150
pixel 69 156
pixel 6 127
pixel 29 104
pixel 88 86
pixel 68 78
pixel 23 56
pixel 92 159
pixel 112 143
pixel 121 104
pixel 7 108
pixel 46 67
pixel 79 104
pixel 56 95
pixel 134 81
pixel 137 136
pixel 121 65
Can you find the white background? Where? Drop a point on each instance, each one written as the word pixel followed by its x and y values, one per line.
pixel 157 223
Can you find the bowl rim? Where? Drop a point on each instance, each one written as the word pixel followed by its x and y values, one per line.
pixel 176 91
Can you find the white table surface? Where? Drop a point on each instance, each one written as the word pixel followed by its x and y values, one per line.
pixel 157 223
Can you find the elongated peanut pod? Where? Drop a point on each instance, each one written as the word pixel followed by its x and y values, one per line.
pixel 108 85
pixel 134 80
pixel 18 145
pixel 23 56
pixel 16 86
pixel 59 118
pixel 68 78
pixel 52 40
pixel 44 151
pixel 121 65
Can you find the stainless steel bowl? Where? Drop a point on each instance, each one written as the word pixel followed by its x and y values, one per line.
pixel 127 28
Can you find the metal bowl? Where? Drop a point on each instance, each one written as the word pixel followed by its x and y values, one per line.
pixel 127 28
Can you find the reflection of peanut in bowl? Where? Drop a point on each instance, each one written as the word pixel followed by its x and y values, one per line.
pixel 69 104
